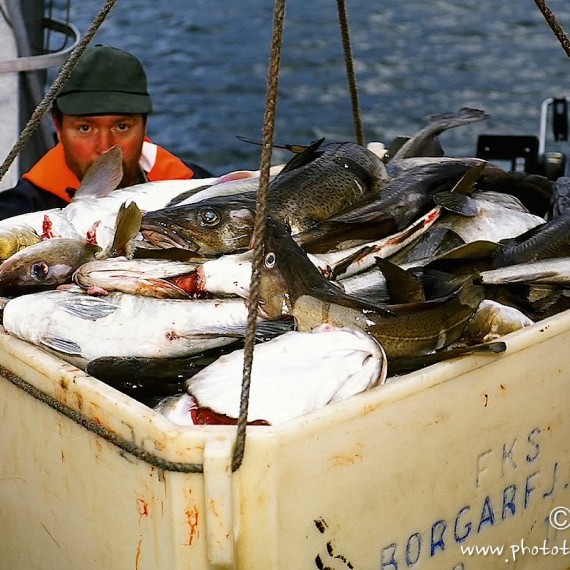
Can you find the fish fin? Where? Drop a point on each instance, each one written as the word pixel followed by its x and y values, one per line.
pixel 407 364
pixel 343 265
pixel 266 330
pixel 304 157
pixel 403 287
pixel 352 302
pixel 466 184
pixel 263 331
pixel 87 307
pixel 127 226
pixel 296 148
pixel 438 284
pixel 457 199
pixel 303 154
pixel 104 175
pixel 436 124
pixel 62 345
pixel 478 249
pixel 457 203
pixel 434 243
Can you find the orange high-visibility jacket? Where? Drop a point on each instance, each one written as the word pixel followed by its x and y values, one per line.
pixel 52 174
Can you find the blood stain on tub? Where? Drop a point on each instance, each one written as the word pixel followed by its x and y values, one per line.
pixel 142 507
pixel 192 516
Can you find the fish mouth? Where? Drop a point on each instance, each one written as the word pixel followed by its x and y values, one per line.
pixel 262 312
pixel 165 238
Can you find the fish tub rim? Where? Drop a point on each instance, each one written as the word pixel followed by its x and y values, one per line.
pixel 148 435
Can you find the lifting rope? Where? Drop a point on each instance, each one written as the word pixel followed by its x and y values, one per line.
pixel 55 88
pixel 349 64
pixel 554 25
pixel 261 200
pixel 259 225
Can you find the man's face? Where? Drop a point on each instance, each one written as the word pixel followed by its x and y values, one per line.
pixel 86 138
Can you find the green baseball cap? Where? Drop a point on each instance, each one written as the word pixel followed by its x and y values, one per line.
pixel 106 81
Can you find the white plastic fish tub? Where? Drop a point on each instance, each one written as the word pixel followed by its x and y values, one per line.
pixel 464 455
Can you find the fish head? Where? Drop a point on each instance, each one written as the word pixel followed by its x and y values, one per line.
pixel 275 298
pixel 286 272
pixel 209 228
pixel 44 265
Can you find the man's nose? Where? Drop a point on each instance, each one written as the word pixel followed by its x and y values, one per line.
pixel 105 141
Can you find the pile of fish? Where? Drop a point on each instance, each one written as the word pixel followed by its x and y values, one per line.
pixel 372 266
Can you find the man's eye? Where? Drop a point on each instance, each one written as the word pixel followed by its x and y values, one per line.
pixel 122 127
pixel 84 128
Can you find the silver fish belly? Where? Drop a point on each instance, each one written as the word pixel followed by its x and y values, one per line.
pixel 80 328
pixel 293 374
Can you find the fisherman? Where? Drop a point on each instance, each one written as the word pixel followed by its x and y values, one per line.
pixel 105 102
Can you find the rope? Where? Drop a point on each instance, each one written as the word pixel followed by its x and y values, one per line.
pixel 56 87
pixel 554 25
pixel 259 226
pixel 349 63
pixel 99 429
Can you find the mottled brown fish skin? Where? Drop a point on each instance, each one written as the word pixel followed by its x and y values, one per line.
pixel 291 285
pixel 342 175
pixel 412 330
pixel 549 240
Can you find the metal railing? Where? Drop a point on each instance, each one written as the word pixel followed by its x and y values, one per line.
pixel 55 59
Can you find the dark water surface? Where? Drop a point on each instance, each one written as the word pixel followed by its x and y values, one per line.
pixel 207 64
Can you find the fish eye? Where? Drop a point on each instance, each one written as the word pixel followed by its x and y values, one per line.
pixel 39 270
pixel 208 217
pixel 270 260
